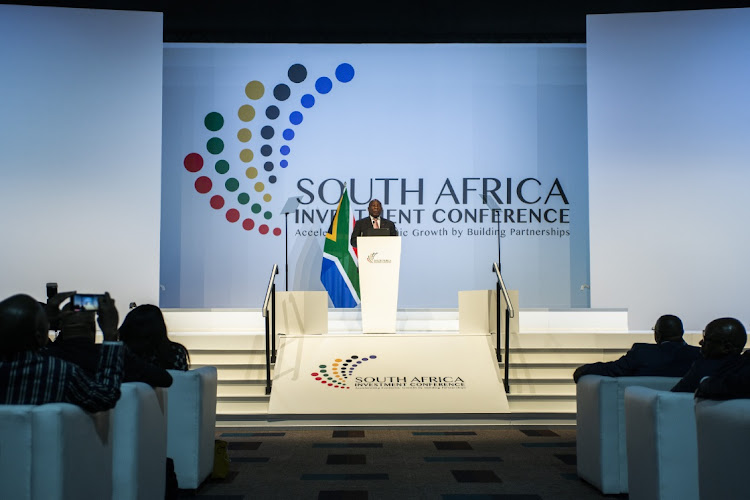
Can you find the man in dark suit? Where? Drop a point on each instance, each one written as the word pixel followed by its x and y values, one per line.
pixel 669 357
pixel 722 344
pixel 363 226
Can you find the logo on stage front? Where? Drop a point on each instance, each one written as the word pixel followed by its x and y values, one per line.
pixel 247 149
pixel 340 370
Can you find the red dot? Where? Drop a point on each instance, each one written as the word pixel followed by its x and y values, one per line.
pixel 277 231
pixel 248 224
pixel 233 215
pixel 318 378
pixel 330 384
pixel 315 374
pixel 323 382
pixel 193 162
pixel 263 229
pixel 217 202
pixel 203 184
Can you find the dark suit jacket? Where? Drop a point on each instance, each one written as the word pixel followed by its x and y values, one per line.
pixel 668 359
pixel 362 226
pixel 731 380
pixel 703 368
pixel 86 353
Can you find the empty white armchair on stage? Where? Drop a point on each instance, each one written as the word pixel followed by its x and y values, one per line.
pixel 600 428
pixel 139 443
pixel 54 451
pixel 723 429
pixel 662 446
pixel 191 422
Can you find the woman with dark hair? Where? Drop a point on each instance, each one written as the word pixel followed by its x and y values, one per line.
pixel 145 333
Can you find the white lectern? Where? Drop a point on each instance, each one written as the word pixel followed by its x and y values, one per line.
pixel 379 263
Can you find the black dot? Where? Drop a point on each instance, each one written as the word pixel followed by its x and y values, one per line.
pixel 268 166
pixel 266 150
pixel 281 92
pixel 272 179
pixel 355 357
pixel 266 132
pixel 297 73
pixel 272 112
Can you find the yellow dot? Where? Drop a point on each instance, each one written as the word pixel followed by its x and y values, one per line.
pixel 259 186
pixel 266 197
pixel 251 173
pixel 246 155
pixel 246 113
pixel 338 360
pixel 254 90
pixel 244 135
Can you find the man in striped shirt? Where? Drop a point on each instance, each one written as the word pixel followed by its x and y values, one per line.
pixel 29 377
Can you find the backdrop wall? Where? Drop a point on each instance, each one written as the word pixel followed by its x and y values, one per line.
pixel 669 121
pixel 426 129
pixel 80 151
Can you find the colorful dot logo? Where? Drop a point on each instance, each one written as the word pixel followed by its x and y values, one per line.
pixel 338 372
pixel 268 124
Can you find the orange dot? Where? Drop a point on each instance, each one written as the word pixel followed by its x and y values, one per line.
pixel 254 90
pixel 246 113
pixel 244 135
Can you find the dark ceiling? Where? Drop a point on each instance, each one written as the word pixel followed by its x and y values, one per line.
pixel 384 21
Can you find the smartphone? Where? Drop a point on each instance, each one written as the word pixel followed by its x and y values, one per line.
pixel 86 301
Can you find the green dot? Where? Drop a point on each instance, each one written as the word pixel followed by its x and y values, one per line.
pixel 321 366
pixel 267 215
pixel 243 198
pixel 214 121
pixel 232 184
pixel 215 145
pixel 255 208
pixel 222 166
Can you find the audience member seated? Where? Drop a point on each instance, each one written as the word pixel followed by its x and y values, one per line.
pixel 145 333
pixel 30 377
pixel 77 343
pixel 723 340
pixel 671 356
pixel 732 381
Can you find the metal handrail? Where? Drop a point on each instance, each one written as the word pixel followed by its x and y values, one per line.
pixel 270 299
pixel 509 313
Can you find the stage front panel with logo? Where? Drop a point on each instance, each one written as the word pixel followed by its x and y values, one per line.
pixel 387 374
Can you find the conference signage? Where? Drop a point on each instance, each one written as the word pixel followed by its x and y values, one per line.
pixel 468 147
pixel 386 374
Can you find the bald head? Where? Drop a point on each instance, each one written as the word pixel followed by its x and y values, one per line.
pixel 668 328
pixel 23 325
pixel 723 337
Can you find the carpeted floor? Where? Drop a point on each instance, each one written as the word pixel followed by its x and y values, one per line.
pixel 448 464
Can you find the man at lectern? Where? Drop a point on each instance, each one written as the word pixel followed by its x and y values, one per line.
pixel 365 227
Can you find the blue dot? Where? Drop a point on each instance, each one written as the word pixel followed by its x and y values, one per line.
pixel 308 101
pixel 344 73
pixel 288 134
pixel 283 163
pixel 284 150
pixel 295 118
pixel 323 85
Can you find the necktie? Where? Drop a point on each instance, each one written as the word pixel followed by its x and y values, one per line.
pixel 375 224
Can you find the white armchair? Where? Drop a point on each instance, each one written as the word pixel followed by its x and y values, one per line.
pixel 55 451
pixel 139 443
pixel 662 446
pixel 723 429
pixel 191 424
pixel 600 428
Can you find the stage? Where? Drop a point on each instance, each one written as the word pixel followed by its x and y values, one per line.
pixel 549 345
